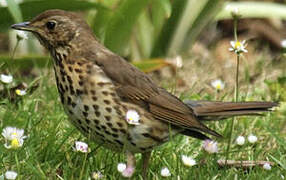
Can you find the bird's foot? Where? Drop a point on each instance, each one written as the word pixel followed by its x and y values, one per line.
pixel 131 162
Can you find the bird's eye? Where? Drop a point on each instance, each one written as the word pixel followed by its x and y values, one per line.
pixel 51 25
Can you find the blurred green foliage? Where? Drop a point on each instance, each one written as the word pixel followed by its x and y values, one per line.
pixel 140 29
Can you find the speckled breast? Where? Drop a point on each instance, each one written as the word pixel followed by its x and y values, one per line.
pixel 90 100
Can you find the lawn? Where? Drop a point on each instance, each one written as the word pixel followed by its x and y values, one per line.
pixel 48 151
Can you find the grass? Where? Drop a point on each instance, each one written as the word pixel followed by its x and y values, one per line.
pixel 48 151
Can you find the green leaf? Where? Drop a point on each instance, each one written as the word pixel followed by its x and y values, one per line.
pixel 164 39
pixel 32 8
pixel 254 10
pixel 120 25
pixel 207 15
pixel 14 10
pixel 161 10
pixel 145 35
pixel 99 23
pixel 194 18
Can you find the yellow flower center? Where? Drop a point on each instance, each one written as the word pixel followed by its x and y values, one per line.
pixel 237 45
pixel 18 92
pixel 218 86
pixel 15 143
pixel 96 176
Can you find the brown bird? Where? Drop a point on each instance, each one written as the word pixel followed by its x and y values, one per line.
pixel 99 88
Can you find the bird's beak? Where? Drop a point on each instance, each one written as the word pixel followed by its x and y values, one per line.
pixel 24 26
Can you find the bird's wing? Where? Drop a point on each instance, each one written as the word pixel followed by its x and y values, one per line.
pixel 134 86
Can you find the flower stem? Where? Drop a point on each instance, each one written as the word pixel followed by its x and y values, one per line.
pixel 13 55
pixel 236 78
pixel 83 166
pixel 235 29
pixel 17 162
pixel 14 50
pixel 236 90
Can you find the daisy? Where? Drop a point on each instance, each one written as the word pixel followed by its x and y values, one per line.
pixel 21 35
pixel 188 161
pixel 238 47
pixel 81 147
pixel 240 140
pixel 14 137
pixel 217 84
pixel 20 92
pixel 10 175
pixel 97 175
pixel 132 117
pixel 283 43
pixel 121 167
pixel 210 146
pixel 6 78
pixel 165 172
pixel 267 166
pixel 252 139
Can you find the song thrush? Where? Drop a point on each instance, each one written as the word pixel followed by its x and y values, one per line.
pixel 97 88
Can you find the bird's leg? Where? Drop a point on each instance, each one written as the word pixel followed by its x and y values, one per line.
pixel 131 161
pixel 146 157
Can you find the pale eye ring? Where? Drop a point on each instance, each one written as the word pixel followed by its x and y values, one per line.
pixel 51 25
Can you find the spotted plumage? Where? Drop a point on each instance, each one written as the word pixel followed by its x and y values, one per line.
pixel 97 88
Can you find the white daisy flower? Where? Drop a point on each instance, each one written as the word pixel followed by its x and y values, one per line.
pixel 252 139
pixel 132 117
pixel 165 172
pixel 97 175
pixel 238 47
pixel 14 138
pixel 10 175
pixel 232 9
pixel 210 146
pixel 6 78
pixel 218 84
pixel 128 171
pixel 121 167
pixel 22 35
pixel 267 166
pixel 20 92
pixel 283 43
pixel 240 140
pixel 188 161
pixel 81 147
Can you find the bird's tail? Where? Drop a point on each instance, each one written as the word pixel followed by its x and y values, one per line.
pixel 215 110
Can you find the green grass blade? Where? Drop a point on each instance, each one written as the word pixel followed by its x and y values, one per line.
pixel 278 162
pixel 14 10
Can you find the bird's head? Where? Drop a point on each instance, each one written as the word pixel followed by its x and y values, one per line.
pixel 55 27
